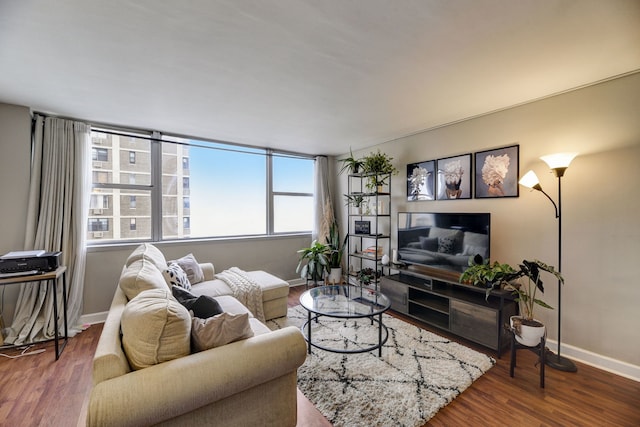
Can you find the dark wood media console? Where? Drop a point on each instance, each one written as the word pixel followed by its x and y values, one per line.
pixel 439 300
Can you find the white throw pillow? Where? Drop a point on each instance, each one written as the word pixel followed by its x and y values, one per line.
pixel 219 330
pixel 190 266
pixel 175 276
pixel 155 329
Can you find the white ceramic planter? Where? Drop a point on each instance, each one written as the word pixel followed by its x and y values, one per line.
pixel 335 276
pixel 528 335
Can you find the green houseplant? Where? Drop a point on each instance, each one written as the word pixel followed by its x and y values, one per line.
pixel 335 253
pixel 376 164
pixel 482 273
pixel 355 200
pixel 313 261
pixel 367 275
pixel 351 164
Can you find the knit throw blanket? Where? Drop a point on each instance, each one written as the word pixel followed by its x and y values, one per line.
pixel 244 289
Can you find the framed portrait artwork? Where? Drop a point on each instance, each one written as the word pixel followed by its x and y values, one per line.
pixel 497 172
pixel 454 178
pixel 421 181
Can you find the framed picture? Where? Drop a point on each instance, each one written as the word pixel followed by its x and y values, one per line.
pixel 497 172
pixel 454 178
pixel 362 227
pixel 421 181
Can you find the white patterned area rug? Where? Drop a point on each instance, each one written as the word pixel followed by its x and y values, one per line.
pixel 418 374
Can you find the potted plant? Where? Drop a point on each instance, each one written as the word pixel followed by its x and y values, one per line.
pixel 356 201
pixel 528 329
pixel 376 164
pixel 351 164
pixel 367 275
pixel 316 262
pixel 335 253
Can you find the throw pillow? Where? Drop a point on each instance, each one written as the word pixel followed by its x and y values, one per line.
pixel 470 250
pixel 175 276
pixel 190 266
pixel 429 243
pixel 446 244
pixel 202 306
pixel 155 329
pixel 219 330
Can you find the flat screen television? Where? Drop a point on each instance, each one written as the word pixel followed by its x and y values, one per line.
pixel 443 241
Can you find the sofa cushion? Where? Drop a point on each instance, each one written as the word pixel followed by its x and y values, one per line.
pixel 428 243
pixel 155 328
pixel 174 275
pixel 190 266
pixel 202 306
pixel 219 330
pixel 139 276
pixel 150 253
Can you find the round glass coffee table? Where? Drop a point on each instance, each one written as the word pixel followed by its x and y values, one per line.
pixel 345 302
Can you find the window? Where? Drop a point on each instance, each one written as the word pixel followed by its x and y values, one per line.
pixel 184 188
pixel 292 194
pixel 100 154
pixel 98 224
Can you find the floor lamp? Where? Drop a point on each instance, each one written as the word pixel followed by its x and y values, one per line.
pixel 558 163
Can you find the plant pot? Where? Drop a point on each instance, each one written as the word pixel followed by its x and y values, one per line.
pixel 335 276
pixel 527 334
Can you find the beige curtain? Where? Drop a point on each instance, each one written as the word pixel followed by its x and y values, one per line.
pixel 56 221
pixel 323 215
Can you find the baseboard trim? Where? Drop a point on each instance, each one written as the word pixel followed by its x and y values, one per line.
pixel 93 318
pixel 599 361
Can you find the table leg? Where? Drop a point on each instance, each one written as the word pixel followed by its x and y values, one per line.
pixel 379 334
pixel 54 289
pixel 309 331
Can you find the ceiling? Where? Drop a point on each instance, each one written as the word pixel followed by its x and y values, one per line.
pixel 310 76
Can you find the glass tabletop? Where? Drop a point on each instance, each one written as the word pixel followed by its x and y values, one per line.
pixel 344 301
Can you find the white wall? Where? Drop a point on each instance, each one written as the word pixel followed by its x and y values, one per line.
pixel 600 201
pixel 15 151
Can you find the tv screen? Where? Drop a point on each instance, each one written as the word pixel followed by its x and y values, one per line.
pixel 442 240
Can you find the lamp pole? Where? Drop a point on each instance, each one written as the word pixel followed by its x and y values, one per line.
pixel 557 361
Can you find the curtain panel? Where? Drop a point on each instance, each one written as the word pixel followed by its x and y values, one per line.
pixel 56 221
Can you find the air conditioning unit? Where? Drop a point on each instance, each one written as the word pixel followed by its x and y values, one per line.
pixel 98 141
pixel 97 234
pixel 97 165
pixel 97 211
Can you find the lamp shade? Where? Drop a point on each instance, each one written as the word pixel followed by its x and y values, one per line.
pixel 529 180
pixel 559 160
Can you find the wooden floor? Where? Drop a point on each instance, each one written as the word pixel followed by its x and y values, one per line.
pixel 37 391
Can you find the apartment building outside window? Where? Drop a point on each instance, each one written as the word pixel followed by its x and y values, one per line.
pixel 195 189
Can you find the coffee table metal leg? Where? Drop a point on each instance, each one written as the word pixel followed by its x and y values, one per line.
pixel 379 335
pixel 309 330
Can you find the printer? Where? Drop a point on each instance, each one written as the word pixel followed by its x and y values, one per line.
pixel 38 261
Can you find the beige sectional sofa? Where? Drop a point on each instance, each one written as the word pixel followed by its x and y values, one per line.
pixel 245 383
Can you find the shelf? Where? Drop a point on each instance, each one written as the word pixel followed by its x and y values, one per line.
pixel 371 236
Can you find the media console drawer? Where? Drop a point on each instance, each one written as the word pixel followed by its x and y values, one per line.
pixel 475 322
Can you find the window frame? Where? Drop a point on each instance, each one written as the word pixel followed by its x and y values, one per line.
pixel 156 140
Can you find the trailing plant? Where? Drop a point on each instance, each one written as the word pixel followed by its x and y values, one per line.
pixel 377 164
pixel 316 260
